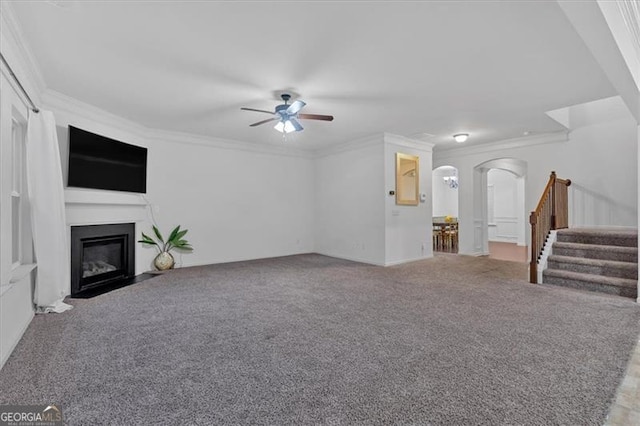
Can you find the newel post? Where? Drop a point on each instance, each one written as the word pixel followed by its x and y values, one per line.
pixel 553 199
pixel 533 266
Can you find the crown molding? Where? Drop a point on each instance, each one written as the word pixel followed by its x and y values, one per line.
pixel 520 142
pixel 230 144
pixel 408 142
pixel 374 140
pixel 360 143
pixel 24 62
pixel 59 102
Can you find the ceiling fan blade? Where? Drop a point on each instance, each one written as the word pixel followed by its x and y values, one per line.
pixel 262 122
pixel 296 125
pixel 257 110
pixel 316 117
pixel 295 107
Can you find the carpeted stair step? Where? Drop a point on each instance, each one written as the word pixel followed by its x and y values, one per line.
pixel 596 251
pixel 608 268
pixel 607 237
pixel 617 286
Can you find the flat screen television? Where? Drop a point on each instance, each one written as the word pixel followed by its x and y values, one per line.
pixel 99 162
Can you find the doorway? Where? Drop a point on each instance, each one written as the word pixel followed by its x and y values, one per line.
pixel 504 223
pixel 499 209
pixel 445 209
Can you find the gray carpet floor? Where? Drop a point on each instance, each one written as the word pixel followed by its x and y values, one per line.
pixel 314 340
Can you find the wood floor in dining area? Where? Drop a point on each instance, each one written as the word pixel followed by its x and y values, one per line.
pixel 508 251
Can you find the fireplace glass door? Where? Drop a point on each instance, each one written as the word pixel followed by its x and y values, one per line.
pixel 101 255
pixel 102 259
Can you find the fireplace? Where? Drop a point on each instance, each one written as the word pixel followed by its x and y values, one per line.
pixel 101 256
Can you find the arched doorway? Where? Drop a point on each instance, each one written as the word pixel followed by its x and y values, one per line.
pixel 518 235
pixel 445 209
pixel 505 225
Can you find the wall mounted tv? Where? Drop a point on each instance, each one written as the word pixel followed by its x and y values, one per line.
pixel 99 162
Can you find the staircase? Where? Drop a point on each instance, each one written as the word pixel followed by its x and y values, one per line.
pixel 604 260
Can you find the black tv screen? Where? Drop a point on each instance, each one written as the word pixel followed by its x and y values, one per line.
pixel 103 163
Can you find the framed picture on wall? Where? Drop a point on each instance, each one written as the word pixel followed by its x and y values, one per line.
pixel 407 179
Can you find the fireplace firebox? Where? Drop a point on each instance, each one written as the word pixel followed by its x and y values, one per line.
pixel 101 255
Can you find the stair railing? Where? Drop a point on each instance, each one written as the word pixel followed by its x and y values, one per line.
pixel 551 213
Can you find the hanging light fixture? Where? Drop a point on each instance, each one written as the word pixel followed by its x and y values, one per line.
pixel 451 181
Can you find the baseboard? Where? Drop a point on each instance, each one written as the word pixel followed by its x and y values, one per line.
pixel 359 260
pixel 475 253
pixel 402 262
pixel 352 259
pixel 190 265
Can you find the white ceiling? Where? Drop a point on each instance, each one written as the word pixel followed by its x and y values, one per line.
pixel 491 69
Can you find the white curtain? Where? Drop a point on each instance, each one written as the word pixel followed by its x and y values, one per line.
pixel 46 198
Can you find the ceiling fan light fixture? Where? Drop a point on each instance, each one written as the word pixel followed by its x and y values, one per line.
pixel 289 127
pixel 286 116
pixel 461 137
pixel 285 126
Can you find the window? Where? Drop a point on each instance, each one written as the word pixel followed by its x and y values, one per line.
pixel 21 245
pixel 17 150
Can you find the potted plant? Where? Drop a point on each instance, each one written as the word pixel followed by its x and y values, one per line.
pixel 164 260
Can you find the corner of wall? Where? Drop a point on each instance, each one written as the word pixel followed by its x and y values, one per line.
pixel 408 229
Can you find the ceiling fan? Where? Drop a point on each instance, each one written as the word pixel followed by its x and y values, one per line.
pixel 287 116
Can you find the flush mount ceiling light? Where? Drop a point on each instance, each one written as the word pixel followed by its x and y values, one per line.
pixel 461 137
pixel 287 116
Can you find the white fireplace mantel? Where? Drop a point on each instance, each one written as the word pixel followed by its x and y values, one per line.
pixel 95 207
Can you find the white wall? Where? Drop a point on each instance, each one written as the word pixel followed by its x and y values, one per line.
pixel 502 205
pixel 600 158
pixel 94 207
pixel 238 204
pixel 445 198
pixel 408 228
pixel 356 216
pixel 350 208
